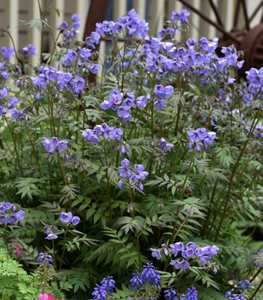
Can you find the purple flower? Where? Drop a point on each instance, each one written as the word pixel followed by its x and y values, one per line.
pixel 54 144
pixel 200 138
pixel 44 258
pixel 116 97
pixel 99 293
pixel 3 220
pixel 93 40
pixel 163 91
pixel 50 73
pixel 2 111
pixel 159 104
pixel 11 219
pixel 5 206
pixel 141 102
pixel 62 145
pixel 109 133
pixel 190 245
pixel 20 215
pixel 7 53
pixel 180 16
pixel 65 217
pixel 192 293
pixel 156 253
pixel 78 85
pixel 139 169
pixel 94 68
pixel 164 145
pixel 69 57
pixel 29 50
pixel 180 264
pixel 109 284
pixel 170 294
pixel 150 275
pixel 188 253
pixel 85 53
pixel 12 102
pixel 123 112
pixel 198 251
pixel 75 220
pixel 63 25
pixel 4 74
pixel 179 246
pixel 3 92
pixel 90 136
pixel 40 81
pixel 124 170
pixel 136 281
pixel 51 236
pixel 76 21
pixel 50 145
pixel 16 114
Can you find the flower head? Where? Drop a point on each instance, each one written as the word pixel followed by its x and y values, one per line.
pixel 66 217
pixel 75 220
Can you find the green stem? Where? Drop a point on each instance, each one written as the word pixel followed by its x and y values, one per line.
pixel 64 248
pixel 15 148
pixel 231 180
pixel 257 289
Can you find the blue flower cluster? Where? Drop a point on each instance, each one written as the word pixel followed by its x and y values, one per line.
pixel 254 89
pixel 53 144
pixel 9 213
pixel 188 251
pixel 29 50
pixel 164 145
pixel 46 74
pixel 93 135
pixel 136 177
pixel 66 217
pixel 4 73
pixel 197 61
pixel 149 275
pixel 70 30
pixel 7 53
pixel 200 138
pixel 11 104
pixel 124 103
pixel 131 25
pixel 50 231
pixel 171 294
pixel 44 258
pixel 162 92
pixel 81 58
pixel 237 293
pixel 180 19
pixel 105 288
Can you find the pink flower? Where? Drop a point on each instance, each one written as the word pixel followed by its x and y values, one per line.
pixel 18 249
pixel 46 297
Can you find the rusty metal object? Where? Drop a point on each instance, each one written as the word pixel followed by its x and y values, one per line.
pixel 252 46
pixel 97 13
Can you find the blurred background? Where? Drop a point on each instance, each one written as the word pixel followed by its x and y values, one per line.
pixel 233 20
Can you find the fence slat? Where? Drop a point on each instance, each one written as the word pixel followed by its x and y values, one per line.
pixel 119 8
pixel 139 6
pixel 82 10
pixel 156 15
pixel 12 11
